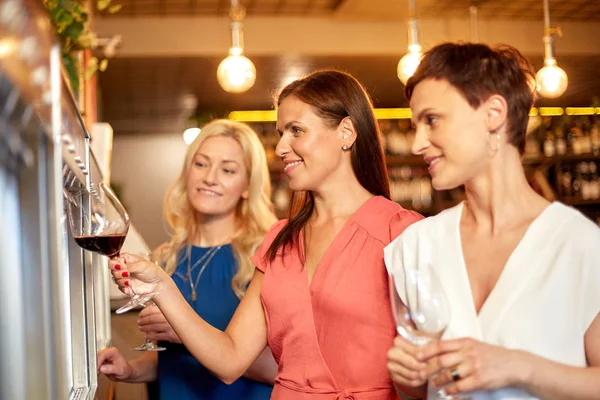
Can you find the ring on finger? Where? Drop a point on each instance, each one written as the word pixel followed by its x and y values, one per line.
pixel 455 374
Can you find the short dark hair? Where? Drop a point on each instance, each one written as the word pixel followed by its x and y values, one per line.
pixel 478 71
pixel 335 95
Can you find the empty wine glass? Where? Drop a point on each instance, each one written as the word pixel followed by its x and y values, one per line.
pixel 148 345
pixel 423 313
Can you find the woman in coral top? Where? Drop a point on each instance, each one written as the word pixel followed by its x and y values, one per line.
pixel 319 297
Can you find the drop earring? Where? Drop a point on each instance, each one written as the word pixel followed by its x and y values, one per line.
pixel 491 148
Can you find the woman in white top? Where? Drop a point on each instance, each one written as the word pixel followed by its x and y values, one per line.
pixel 522 275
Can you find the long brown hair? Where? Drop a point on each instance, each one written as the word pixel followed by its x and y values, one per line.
pixel 335 95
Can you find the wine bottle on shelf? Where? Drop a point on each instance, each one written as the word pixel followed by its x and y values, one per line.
pixel 549 147
pixel 594 181
pixel 577 182
pixel 560 142
pixel 570 141
pixel 577 135
pixel 595 139
pixel 585 139
pixel 566 180
pixel 585 181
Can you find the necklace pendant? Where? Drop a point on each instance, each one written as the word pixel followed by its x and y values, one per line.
pixel 194 296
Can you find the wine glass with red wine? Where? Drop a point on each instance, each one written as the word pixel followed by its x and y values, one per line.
pixel 99 223
pixel 97 219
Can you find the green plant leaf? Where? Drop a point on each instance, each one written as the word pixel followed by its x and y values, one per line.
pixel 103 65
pixel 72 71
pixel 70 20
pixel 74 30
pixel 79 11
pixel 62 17
pixel 115 8
pixel 102 4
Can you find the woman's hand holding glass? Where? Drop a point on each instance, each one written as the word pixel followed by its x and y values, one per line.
pixel 130 271
pixel 421 318
pixel 465 365
pixel 154 323
pixel 404 363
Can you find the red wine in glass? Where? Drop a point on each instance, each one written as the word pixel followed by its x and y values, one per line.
pixel 108 245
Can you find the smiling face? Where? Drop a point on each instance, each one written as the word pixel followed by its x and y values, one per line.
pixel 310 149
pixel 217 177
pixel 451 136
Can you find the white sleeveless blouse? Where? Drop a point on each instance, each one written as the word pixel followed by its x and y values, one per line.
pixel 544 301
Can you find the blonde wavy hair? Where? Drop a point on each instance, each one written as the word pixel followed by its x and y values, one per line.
pixel 254 215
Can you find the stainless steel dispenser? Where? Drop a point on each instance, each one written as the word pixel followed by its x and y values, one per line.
pixel 54 306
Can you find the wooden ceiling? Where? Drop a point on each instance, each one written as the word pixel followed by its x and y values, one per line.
pixel 562 10
pixel 157 95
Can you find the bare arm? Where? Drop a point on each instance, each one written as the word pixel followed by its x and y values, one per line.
pixel 264 368
pixel 551 380
pixel 226 354
pixel 153 322
pixel 482 366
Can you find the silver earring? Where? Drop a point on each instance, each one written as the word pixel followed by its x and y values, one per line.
pixel 344 147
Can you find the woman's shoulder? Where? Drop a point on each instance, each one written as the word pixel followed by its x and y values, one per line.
pixel 570 225
pixel 275 229
pixel 443 221
pixel 384 219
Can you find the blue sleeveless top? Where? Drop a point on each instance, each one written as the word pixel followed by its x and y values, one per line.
pixel 180 375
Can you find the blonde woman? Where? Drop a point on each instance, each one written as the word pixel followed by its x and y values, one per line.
pixel 219 210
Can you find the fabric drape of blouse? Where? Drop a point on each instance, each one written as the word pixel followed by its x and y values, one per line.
pixel 331 338
pixel 545 299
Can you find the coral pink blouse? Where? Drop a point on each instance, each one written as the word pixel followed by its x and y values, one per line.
pixel 331 338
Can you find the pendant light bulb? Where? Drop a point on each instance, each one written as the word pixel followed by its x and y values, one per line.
pixel 409 63
pixel 411 60
pixel 551 80
pixel 236 73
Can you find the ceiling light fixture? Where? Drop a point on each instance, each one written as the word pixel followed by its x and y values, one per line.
pixel 236 73
pixel 551 80
pixel 190 134
pixel 474 23
pixel 409 63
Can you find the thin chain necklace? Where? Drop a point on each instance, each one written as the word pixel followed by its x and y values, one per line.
pixel 208 256
pixel 188 255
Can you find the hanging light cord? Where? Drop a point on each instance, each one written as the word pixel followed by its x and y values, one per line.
pixel 413 31
pixel 474 27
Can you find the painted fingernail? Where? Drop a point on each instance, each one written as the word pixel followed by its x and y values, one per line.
pixel 126 283
pixel 117 267
pixel 125 274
